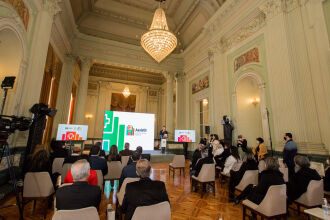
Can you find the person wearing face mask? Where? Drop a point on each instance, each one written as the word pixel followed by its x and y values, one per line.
pixel 260 151
pixel 327 176
pixel 289 152
pixel 299 182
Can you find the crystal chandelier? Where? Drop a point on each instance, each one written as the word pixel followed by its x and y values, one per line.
pixel 126 92
pixel 159 42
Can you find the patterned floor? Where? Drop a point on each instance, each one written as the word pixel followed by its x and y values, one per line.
pixel 184 204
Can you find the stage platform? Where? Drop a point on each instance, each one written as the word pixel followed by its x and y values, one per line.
pixel 157 156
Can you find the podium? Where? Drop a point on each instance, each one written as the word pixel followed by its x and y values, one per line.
pixel 163 145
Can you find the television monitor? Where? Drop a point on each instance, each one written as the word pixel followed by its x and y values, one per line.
pixel 69 132
pixel 185 135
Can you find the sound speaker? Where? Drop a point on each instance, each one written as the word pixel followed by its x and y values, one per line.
pixel 207 129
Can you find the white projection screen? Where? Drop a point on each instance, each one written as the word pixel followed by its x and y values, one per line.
pixel 135 128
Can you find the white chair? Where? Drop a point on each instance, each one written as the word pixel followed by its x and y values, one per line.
pixel 89 213
pixel 114 170
pixel 281 163
pixel 319 167
pixel 124 160
pixel 206 175
pixel 249 177
pixel 272 206
pixel 100 179
pixel 65 169
pixel 57 165
pixel 261 166
pixel 160 211
pixel 178 162
pixel 312 197
pixel 285 172
pixel 37 186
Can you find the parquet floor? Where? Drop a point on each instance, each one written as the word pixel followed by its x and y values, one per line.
pixel 185 205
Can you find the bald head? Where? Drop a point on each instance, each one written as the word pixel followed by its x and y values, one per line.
pixel 80 170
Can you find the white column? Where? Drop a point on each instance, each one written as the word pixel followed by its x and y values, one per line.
pixel 64 92
pixel 180 100
pixel 211 97
pixel 38 55
pixel 169 104
pixel 82 91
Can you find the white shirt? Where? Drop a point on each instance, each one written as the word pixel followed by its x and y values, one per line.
pixel 230 162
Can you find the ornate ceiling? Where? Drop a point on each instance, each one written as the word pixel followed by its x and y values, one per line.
pixel 126 20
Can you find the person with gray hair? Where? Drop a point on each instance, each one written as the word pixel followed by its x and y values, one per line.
pixel 303 175
pixel 144 192
pixel 80 194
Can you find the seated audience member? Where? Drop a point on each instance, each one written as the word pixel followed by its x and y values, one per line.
pixel 130 169
pixel 206 159
pixel 260 150
pixel 233 161
pixel 59 149
pixel 196 155
pixel 76 155
pixel 217 148
pixel 126 151
pixel 327 176
pixel 249 163
pixel 143 156
pixel 102 152
pixel 211 138
pixel 113 154
pixel 144 192
pixel 242 143
pixel 80 194
pixel 221 159
pixel 270 176
pixel 299 182
pixel 92 179
pixel 96 162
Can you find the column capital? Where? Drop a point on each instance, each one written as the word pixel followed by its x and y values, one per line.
pixel 85 61
pixel 272 8
pixel 169 76
pixel 69 58
pixel 52 6
pixel 180 76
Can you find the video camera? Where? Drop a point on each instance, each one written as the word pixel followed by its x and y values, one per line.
pixel 8 125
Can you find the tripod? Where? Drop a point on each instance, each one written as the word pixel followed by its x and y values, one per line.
pixel 6 152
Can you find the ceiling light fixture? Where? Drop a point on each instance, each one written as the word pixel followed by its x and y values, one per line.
pixel 159 42
pixel 126 92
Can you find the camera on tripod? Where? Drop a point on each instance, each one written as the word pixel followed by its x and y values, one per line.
pixel 9 124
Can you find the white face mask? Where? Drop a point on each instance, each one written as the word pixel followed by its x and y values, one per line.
pixel 257 142
pixel 328 162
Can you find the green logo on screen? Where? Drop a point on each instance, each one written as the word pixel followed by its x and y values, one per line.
pixel 113 132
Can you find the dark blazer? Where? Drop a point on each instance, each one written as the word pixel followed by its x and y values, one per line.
pixel 143 193
pixel 78 195
pixel 128 171
pixel 236 176
pixel 243 145
pixel 98 163
pixel 267 179
pixel 200 163
pixel 125 153
pixel 289 152
pixel 299 182
pixel 102 153
pixel 327 180
pixel 197 154
pixel 74 158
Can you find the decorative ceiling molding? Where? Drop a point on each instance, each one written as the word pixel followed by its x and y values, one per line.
pixel 187 14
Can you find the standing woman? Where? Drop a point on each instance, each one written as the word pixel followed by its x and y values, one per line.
pixel 260 151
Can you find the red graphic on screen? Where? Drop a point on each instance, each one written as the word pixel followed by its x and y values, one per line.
pixel 184 138
pixel 71 136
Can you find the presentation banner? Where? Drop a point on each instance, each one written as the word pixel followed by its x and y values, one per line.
pixel 185 135
pixel 69 132
pixel 135 128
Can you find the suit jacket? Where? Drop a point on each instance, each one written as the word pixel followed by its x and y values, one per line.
pixel 74 158
pixel 128 171
pixel 197 154
pixel 327 180
pixel 289 152
pixel 299 182
pixel 78 195
pixel 125 152
pixel 200 163
pixel 236 177
pixel 267 179
pixel 102 153
pixel 98 163
pixel 143 193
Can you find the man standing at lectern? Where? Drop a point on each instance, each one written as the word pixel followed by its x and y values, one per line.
pixel 163 135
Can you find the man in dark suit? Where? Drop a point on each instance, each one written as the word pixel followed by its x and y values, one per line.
pixel 102 152
pixel 80 194
pixel 130 169
pixel 76 155
pixel 126 151
pixel 96 162
pixel 144 192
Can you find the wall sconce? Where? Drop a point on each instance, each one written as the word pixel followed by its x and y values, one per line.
pixel 205 101
pixel 89 116
pixel 254 101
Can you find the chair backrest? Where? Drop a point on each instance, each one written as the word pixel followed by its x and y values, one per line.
pixel 249 177
pixel 314 194
pixel 37 184
pixel 122 190
pixel 160 211
pixel 261 166
pixel 114 170
pixel 319 167
pixel 274 202
pixel 124 160
pixel 281 163
pixel 99 179
pixel 81 214
pixel 65 169
pixel 57 165
pixel 285 172
pixel 178 161
pixel 207 173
